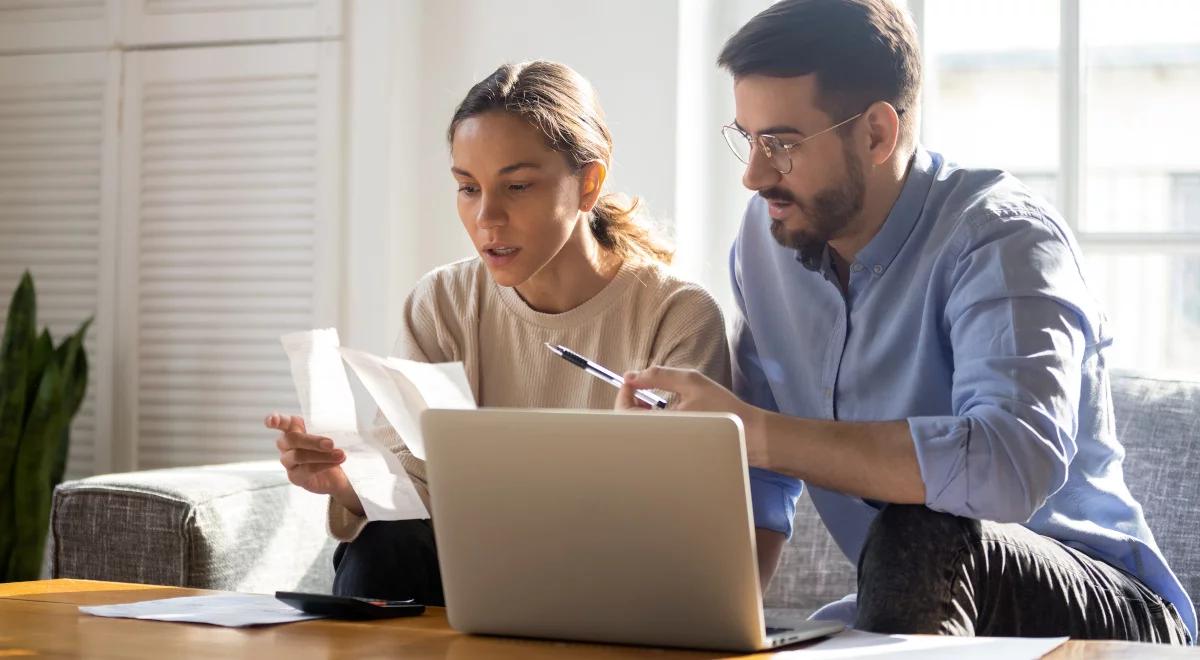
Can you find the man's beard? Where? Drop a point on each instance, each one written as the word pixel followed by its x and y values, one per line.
pixel 829 211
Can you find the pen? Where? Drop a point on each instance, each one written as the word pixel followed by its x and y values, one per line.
pixel 645 396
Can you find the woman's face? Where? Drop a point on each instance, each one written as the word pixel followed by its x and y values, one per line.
pixel 518 199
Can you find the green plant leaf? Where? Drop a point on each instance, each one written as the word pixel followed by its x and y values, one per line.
pixel 43 352
pixel 74 389
pixel 31 478
pixel 15 354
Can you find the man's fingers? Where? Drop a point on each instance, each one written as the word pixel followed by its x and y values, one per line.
pixel 626 400
pixel 668 379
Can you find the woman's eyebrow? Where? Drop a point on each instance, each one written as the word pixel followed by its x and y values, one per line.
pixel 508 169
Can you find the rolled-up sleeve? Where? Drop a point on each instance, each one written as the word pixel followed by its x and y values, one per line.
pixel 773 495
pixel 1018 344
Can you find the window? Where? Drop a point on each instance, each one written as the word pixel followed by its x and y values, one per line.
pixel 1086 102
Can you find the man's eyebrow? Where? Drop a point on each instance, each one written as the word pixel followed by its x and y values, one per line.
pixel 776 130
pixel 772 130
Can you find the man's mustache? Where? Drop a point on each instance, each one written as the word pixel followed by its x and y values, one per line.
pixel 777 194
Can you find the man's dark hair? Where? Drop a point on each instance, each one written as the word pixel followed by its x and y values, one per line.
pixel 862 51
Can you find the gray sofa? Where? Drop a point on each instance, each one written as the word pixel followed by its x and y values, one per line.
pixel 242 527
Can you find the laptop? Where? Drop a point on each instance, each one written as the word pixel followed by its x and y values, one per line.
pixel 599 526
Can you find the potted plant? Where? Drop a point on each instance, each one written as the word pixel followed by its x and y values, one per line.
pixel 41 389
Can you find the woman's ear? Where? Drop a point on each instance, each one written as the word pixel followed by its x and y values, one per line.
pixel 591 182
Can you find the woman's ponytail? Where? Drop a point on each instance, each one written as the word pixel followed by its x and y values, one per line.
pixel 619 226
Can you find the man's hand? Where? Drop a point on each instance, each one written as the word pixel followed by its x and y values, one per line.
pixel 696 392
pixel 312 462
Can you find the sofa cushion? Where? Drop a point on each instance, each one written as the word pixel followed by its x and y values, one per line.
pixel 1158 422
pixel 238 527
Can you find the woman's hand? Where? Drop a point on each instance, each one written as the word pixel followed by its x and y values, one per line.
pixel 312 461
pixel 696 392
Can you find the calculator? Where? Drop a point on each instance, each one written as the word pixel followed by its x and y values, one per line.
pixel 349 607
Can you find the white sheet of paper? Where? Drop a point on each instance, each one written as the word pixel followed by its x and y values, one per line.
pixel 859 644
pixel 403 389
pixel 325 397
pixel 231 610
pixel 327 403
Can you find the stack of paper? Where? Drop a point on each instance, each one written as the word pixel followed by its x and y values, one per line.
pixel 402 389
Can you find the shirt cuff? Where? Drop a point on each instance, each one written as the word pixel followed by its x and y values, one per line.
pixel 774 496
pixel 941 445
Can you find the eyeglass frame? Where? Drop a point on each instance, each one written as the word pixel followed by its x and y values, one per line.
pixel 786 148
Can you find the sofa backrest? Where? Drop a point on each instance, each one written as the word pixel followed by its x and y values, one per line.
pixel 1158 422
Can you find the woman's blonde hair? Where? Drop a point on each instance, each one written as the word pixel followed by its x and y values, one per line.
pixel 563 106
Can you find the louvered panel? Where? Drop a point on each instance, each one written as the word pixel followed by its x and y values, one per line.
pixel 194 6
pixel 191 21
pixel 55 198
pixel 48 24
pixel 231 182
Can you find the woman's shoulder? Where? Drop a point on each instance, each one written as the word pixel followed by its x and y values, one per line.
pixel 662 281
pixel 671 293
pixel 452 282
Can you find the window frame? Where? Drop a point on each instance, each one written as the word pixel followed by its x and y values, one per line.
pixel 1072 156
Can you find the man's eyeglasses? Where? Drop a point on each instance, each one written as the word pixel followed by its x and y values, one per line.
pixel 778 152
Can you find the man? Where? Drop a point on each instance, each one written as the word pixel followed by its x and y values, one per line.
pixel 917 344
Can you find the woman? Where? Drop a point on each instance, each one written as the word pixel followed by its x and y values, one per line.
pixel 559 261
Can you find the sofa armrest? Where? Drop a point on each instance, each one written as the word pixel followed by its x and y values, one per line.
pixel 237 527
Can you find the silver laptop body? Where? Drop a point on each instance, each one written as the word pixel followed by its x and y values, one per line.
pixel 631 528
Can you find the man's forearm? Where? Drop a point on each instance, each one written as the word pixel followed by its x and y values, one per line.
pixel 872 460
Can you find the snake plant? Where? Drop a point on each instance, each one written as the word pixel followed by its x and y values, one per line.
pixel 41 389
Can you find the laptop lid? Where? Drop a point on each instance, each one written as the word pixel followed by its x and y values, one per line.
pixel 595 525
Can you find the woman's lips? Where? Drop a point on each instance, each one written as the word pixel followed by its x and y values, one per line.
pixel 500 256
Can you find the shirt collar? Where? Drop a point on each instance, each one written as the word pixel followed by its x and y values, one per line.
pixel 883 248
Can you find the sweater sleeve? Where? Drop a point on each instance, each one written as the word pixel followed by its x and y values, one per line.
pixel 418 341
pixel 691 335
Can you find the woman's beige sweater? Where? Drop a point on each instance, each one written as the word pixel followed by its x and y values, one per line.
pixel 457 313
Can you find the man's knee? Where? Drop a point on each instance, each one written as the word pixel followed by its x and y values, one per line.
pixel 909 529
pixel 910 546
pixel 906 567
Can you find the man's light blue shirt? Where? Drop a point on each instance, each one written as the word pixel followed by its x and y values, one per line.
pixel 966 315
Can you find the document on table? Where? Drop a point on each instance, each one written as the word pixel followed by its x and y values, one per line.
pixel 230 610
pixel 327 404
pixel 859 644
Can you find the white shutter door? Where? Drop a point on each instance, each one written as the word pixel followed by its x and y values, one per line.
pixel 195 21
pixel 58 212
pixel 230 179
pixel 56 24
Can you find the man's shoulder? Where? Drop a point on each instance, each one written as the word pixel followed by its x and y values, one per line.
pixel 980 204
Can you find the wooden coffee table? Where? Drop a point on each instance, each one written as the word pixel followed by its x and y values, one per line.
pixel 42 619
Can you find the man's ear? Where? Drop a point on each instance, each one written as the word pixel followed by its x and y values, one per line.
pixel 591 182
pixel 883 125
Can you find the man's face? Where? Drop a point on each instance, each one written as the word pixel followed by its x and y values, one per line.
pixel 823 193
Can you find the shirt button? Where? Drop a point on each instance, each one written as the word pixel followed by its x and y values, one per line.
pixel 878 270
pixel 856 268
